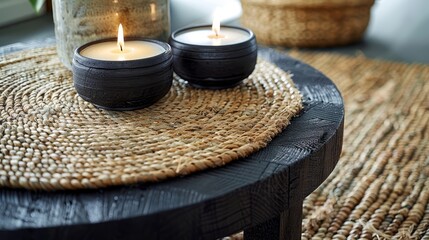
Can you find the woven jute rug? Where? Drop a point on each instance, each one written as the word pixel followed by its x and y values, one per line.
pixel 51 139
pixel 380 186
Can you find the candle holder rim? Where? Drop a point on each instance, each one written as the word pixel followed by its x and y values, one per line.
pixel 232 47
pixel 135 63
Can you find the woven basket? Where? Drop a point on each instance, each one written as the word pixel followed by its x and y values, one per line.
pixel 307 23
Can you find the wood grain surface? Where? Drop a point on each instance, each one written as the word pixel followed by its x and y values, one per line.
pixel 261 194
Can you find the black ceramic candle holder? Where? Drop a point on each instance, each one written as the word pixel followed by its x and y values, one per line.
pixel 214 67
pixel 123 85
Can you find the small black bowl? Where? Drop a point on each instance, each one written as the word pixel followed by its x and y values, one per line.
pixel 123 85
pixel 214 67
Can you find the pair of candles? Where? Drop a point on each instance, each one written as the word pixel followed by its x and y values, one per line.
pixel 127 74
pixel 199 36
pixel 133 50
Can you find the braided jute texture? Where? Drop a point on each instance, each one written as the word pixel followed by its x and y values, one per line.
pixel 380 186
pixel 52 139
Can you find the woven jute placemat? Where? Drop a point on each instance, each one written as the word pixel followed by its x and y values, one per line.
pixel 380 186
pixel 52 139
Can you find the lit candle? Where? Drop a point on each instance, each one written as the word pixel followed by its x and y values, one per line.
pixel 118 51
pixel 116 75
pixel 214 57
pixel 214 35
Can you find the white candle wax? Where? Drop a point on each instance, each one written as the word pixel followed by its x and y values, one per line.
pixel 109 51
pixel 205 36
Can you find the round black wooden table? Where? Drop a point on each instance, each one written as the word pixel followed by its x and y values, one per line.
pixel 261 194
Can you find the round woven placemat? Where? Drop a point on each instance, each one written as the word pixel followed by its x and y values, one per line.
pixel 380 186
pixel 52 139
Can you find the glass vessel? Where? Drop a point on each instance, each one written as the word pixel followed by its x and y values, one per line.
pixel 80 21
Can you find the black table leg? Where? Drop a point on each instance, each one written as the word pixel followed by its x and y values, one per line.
pixel 285 227
pixel 292 222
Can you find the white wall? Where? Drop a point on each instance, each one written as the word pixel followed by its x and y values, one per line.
pixel 15 10
pixel 401 28
pixel 192 12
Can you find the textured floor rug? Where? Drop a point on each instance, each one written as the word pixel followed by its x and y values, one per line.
pixel 380 187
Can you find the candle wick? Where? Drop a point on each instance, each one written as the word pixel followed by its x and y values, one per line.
pixel 121 47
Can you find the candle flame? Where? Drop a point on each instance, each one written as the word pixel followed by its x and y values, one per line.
pixel 216 22
pixel 153 11
pixel 121 43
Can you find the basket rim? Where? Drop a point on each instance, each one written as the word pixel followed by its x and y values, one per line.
pixel 310 3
